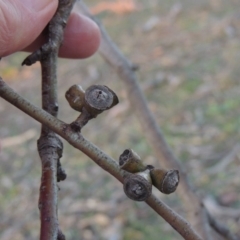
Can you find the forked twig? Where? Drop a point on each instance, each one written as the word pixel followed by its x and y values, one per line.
pixel 50 146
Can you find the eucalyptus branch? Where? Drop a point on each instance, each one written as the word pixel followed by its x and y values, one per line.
pixel 50 146
pixel 99 157
pixel 197 214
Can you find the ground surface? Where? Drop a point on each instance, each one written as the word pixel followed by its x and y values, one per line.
pixel 189 54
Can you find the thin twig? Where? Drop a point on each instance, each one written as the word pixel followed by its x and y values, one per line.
pixel 50 146
pixel 219 211
pixel 222 229
pixel 99 157
pixel 81 120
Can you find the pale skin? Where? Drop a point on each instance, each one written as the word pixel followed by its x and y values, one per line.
pixel 22 22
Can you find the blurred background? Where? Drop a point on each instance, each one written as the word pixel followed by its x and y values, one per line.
pixel 189 55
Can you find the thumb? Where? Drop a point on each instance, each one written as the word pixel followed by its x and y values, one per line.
pixel 22 21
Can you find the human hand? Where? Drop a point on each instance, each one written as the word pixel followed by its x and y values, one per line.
pixel 22 22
